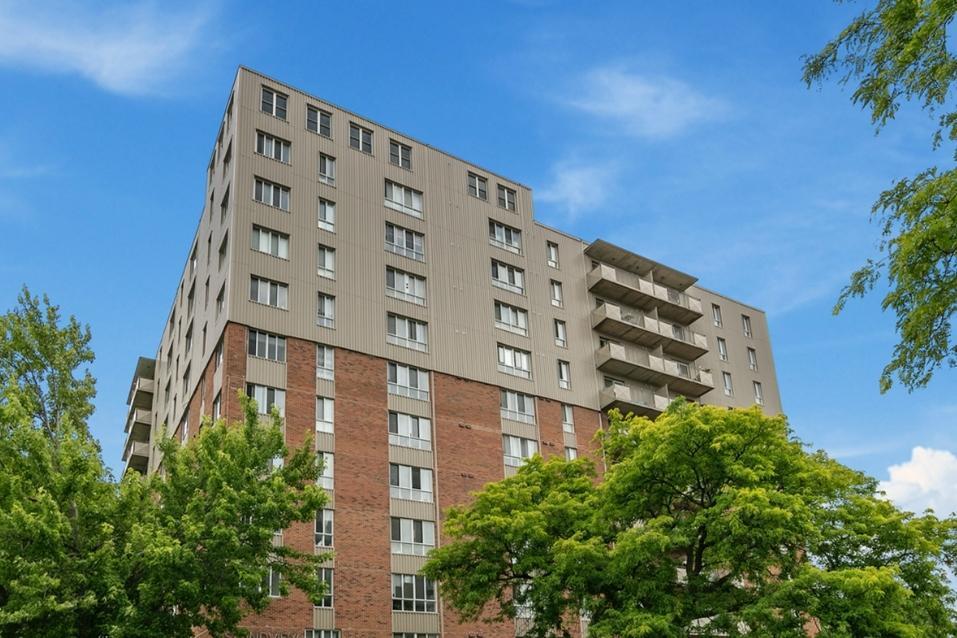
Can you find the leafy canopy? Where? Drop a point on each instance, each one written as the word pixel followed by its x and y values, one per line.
pixel 82 555
pixel 893 53
pixel 707 522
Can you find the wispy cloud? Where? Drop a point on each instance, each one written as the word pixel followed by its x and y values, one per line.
pixel 926 481
pixel 133 49
pixel 574 187
pixel 643 106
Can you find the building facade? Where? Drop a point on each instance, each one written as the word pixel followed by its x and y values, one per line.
pixel 402 307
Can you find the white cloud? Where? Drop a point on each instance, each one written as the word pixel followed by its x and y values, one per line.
pixel 132 49
pixel 641 105
pixel 576 187
pixel 927 480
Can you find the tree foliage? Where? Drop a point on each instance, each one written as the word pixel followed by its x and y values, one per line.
pixel 705 522
pixel 894 53
pixel 82 555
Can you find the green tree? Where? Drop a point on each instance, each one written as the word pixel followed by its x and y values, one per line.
pixel 82 555
pixel 706 521
pixel 893 53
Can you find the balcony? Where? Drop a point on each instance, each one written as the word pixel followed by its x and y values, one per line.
pixel 640 400
pixel 635 327
pixel 639 365
pixel 137 455
pixel 138 422
pixel 639 292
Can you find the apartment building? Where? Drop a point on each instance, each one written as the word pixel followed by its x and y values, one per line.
pixel 402 307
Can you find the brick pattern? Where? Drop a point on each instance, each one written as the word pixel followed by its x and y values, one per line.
pixel 468 443
pixel 234 372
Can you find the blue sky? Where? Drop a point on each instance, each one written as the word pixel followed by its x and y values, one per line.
pixel 682 133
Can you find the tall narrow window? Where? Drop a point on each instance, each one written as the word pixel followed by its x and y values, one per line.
pixel 722 349
pixel 716 314
pixel 561 334
pixel 752 359
pixel 325 415
pixel 360 138
pixel 564 375
pixel 551 254
pixel 555 287
pixel 728 385
pixel 327 169
pixel 746 325
pixel 271 582
pixel 326 478
pixel 326 311
pixel 224 206
pixel 325 518
pixel 327 215
pixel 327 262
pixel 400 154
pixel 568 418
pixel 325 576
pixel 325 363
pixel 758 393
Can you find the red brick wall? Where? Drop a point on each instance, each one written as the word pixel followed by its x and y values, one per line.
pixel 468 443
pixel 363 566
pixel 234 372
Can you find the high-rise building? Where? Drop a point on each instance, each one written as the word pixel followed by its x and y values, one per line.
pixel 402 307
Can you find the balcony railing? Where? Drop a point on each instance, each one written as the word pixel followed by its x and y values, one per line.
pixel 637 327
pixel 636 290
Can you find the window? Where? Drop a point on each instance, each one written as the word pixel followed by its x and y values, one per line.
pixel 561 334
pixel 571 453
pixel 186 382
pixel 224 206
pixel 318 121
pixel 325 415
pixel 758 393
pixel 324 633
pixel 324 525
pixel 184 430
pixel 405 242
pixel 508 277
pixel 270 242
pixel 400 154
pixel 218 406
pixel 271 582
pixel 327 262
pixel 516 406
pixel 746 325
pixel 506 197
pixel 505 237
pixel 324 574
pixel 403 199
pixel 189 338
pixel 267 346
pixel 274 103
pixel 413 635
pixel 407 381
pixel 411 536
pixel 408 333
pixel 220 300
pixel 193 260
pixel 270 293
pixel 271 194
pixel 327 215
pixel 273 147
pixel 511 318
pixel 223 251
pixel 412 593
pixel 325 363
pixel 206 294
pixel 403 285
pixel 716 314
pixel 266 398
pixel 326 311
pixel 551 254
pixel 478 186
pixel 564 375
pixel 218 355
pixel 406 430
pixel 722 349
pixel 327 169
pixel 728 386
pixel 752 359
pixel 410 483
pixel 326 477
pixel 555 287
pixel 514 361
pixel 360 138
pixel 518 449
pixel 568 418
